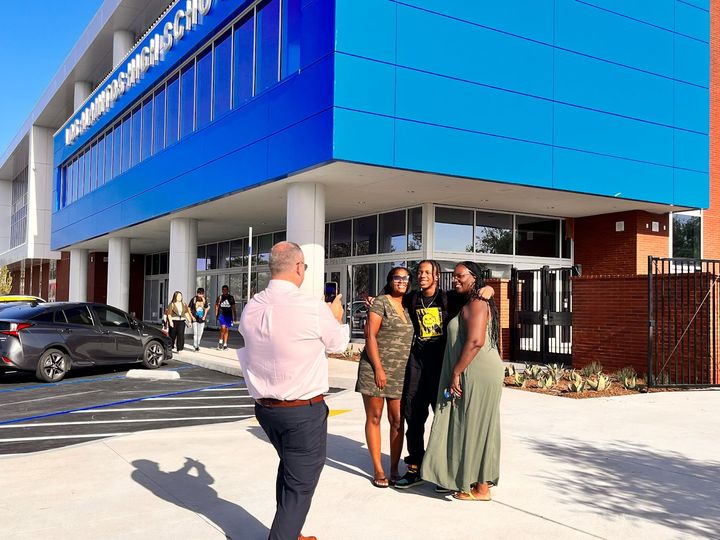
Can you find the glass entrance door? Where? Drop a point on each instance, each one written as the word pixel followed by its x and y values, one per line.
pixel 156 298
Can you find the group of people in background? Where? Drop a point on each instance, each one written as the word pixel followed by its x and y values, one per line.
pixel 434 349
pixel 178 314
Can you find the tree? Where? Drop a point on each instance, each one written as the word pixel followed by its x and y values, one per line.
pixel 5 280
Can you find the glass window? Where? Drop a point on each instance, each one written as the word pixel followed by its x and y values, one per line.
pixel 493 233
pixel 392 232
pixel 136 136
pixel 224 255
pixel 243 60
pixel 266 45
pixel 110 317
pixel 203 96
pixel 173 97
pixel 164 263
pixel 78 315
pixel 279 237
pixel 262 246
pixel 60 317
pixel 363 281
pixel 340 237
pixel 159 121
pixel 126 131
pixel 72 181
pixel 156 264
pixel 414 229
pixel 92 167
pixel 537 237
pixel 82 176
pixel 148 265
pixel 201 261
pixel 453 229
pixel 147 120
pixel 365 235
pixel 211 256
pixel 237 253
pixel 117 143
pixel 686 235
pixel 221 74
pixel 566 236
pixel 292 27
pixel 109 155
pixel 101 161
pixel 384 270
pixel 187 99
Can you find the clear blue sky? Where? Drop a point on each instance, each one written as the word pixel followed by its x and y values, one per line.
pixel 36 37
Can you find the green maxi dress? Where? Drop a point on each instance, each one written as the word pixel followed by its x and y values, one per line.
pixel 464 445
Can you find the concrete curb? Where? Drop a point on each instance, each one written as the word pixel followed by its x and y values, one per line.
pixel 210 361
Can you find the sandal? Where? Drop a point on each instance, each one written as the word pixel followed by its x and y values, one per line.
pixel 469 496
pixel 380 482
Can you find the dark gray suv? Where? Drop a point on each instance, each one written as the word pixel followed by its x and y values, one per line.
pixel 50 339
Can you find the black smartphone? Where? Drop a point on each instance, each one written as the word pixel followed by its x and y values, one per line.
pixel 331 290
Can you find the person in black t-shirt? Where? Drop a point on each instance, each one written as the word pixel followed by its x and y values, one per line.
pixel 430 310
pixel 198 313
pixel 226 314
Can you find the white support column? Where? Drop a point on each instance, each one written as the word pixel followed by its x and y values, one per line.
pixel 78 275
pixel 122 43
pixel 118 276
pixel 82 90
pixel 183 258
pixel 306 227
pixel 428 231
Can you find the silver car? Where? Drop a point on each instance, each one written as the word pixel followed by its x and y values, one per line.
pixel 52 338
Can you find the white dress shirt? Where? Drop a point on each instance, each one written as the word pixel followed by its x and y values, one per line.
pixel 286 336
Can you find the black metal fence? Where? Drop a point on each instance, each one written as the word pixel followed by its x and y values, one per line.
pixel 541 315
pixel 683 303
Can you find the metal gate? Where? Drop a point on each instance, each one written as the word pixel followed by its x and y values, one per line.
pixel 683 322
pixel 541 311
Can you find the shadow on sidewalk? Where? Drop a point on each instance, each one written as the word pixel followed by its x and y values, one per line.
pixel 640 482
pixel 193 492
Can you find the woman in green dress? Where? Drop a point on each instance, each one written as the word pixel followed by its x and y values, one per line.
pixel 463 453
pixel 381 372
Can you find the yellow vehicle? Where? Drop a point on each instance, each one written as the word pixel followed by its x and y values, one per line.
pixel 20 298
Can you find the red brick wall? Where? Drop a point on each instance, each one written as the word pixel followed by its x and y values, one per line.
pixel 610 322
pixel 502 299
pixel 35 279
pixel 62 283
pixel 45 280
pixel 15 282
pixel 601 250
pixel 137 285
pixel 97 277
pixel 711 216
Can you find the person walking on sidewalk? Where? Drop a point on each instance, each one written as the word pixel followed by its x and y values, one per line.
pixel 177 314
pixel 198 313
pixel 430 308
pixel 287 335
pixel 226 315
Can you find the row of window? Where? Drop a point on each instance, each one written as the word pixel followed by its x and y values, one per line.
pixel 18 217
pixel 105 316
pixel 478 231
pixel 248 57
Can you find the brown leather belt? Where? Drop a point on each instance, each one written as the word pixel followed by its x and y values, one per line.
pixel 269 402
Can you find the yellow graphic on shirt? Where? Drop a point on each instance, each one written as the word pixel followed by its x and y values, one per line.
pixel 430 322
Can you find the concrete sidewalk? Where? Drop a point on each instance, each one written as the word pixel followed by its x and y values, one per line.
pixel 626 467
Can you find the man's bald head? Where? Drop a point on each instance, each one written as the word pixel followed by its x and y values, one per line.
pixel 284 258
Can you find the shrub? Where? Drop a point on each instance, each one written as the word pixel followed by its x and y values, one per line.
pixel 593 368
pixel 532 371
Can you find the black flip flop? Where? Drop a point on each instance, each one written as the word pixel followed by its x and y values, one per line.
pixel 381 483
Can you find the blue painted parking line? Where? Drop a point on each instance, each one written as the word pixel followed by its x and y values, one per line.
pixel 122 402
pixel 80 381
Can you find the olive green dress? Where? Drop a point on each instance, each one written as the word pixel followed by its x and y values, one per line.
pixel 393 339
pixel 464 445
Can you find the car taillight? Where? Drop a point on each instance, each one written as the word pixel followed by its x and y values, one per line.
pixel 12 329
pixel 6 360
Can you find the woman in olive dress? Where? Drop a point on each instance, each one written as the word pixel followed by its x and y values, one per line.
pixel 463 453
pixel 381 372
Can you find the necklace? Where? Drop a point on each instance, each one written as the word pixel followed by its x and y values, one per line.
pixel 422 301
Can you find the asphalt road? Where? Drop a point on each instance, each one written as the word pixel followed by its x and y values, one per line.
pixel 101 403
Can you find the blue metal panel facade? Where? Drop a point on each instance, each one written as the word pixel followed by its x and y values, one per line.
pixel 283 129
pixel 604 97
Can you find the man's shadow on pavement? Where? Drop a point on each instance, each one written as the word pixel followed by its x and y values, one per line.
pixel 193 492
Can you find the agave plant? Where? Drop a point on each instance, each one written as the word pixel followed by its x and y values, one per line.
pixel 602 382
pixel 577 385
pixel 629 382
pixel 593 368
pixel 519 380
pixel 532 372
pixel 556 371
pixel 510 370
pixel 575 377
pixel 546 381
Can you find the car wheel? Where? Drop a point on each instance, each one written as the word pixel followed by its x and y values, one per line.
pixel 154 355
pixel 52 367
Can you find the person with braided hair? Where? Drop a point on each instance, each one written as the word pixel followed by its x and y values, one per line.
pixel 463 453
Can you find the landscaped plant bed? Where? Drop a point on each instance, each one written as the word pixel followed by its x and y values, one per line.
pixel 589 382
pixel 352 357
